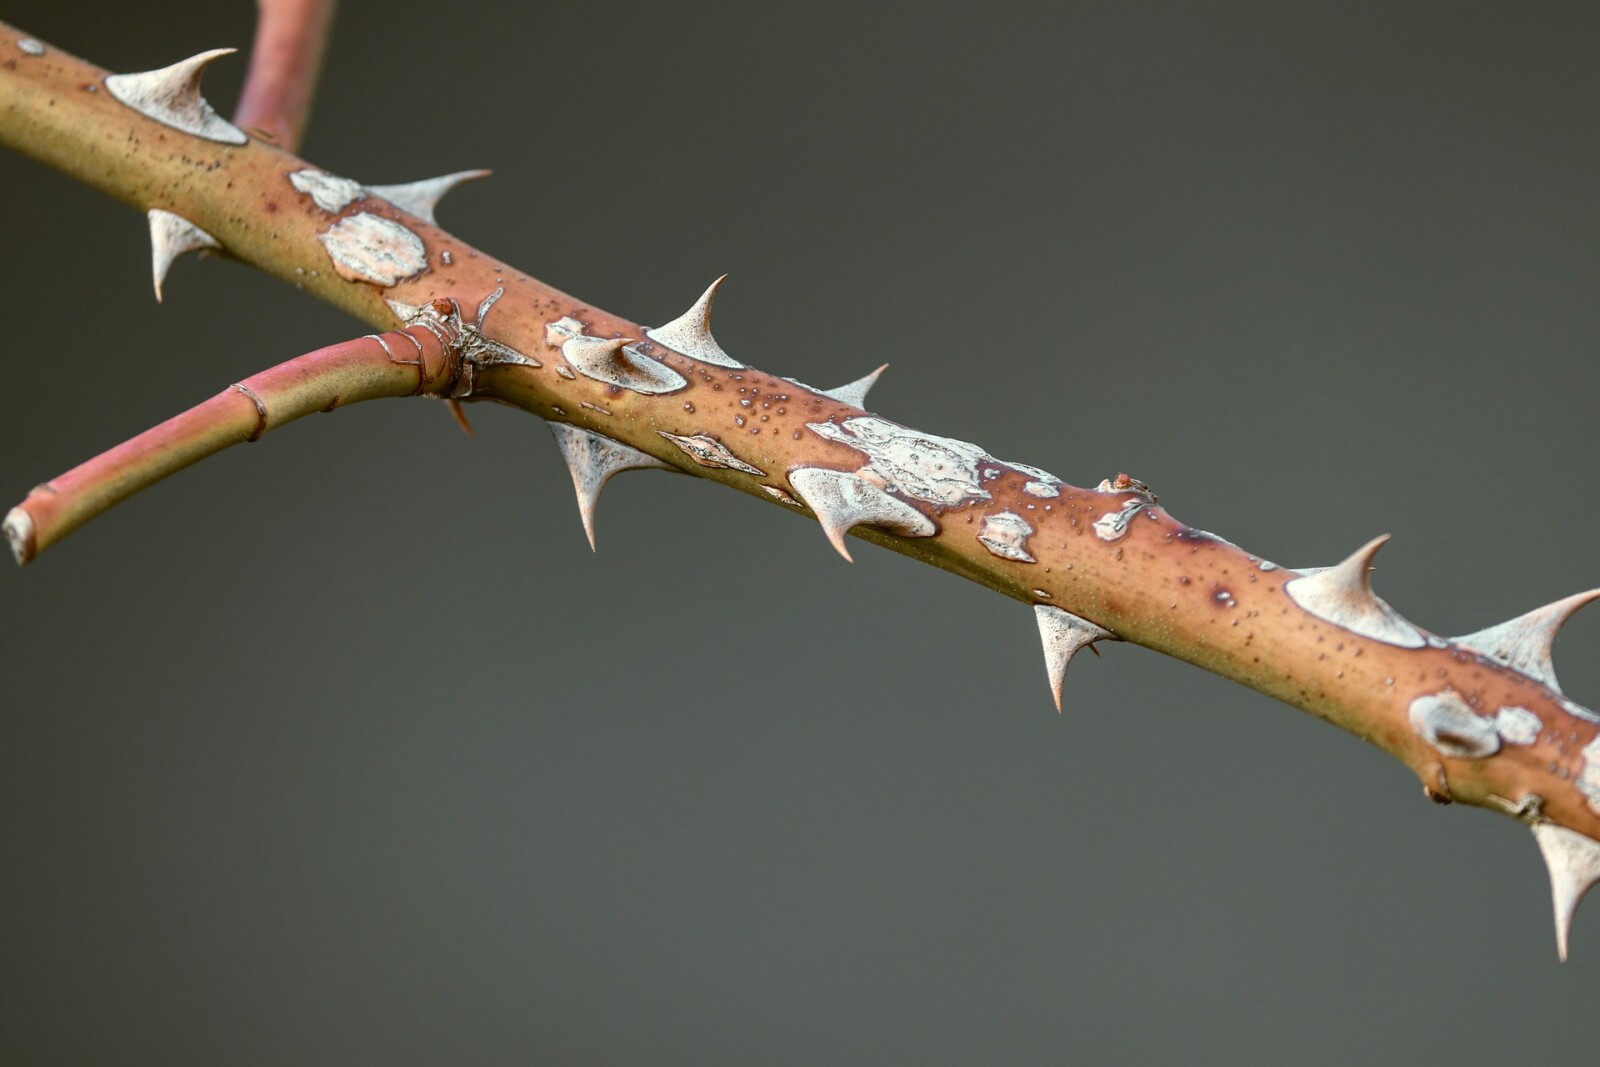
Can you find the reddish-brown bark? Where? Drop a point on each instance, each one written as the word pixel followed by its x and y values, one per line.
pixel 1161 584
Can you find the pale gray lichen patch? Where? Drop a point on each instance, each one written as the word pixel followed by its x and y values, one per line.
pixel 1041 483
pixel 938 470
pixel 1445 721
pixel 710 452
pixel 841 500
pixel 1113 525
pixel 18 529
pixel 171 96
pixel 370 248
pixel 562 329
pixel 1006 535
pixel 31 46
pixel 329 192
pixel 1517 726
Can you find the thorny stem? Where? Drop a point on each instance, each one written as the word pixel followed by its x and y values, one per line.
pixel 402 363
pixel 290 38
pixel 1110 556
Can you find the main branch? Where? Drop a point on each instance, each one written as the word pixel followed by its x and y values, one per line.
pixel 1479 718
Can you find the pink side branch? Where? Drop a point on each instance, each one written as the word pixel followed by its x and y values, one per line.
pixel 401 363
pixel 290 37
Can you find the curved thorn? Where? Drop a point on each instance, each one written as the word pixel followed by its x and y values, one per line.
pixel 171 96
pixel 420 198
pixel 615 361
pixel 1574 862
pixel 842 499
pixel 690 333
pixel 592 459
pixel 170 237
pixel 1526 642
pixel 855 393
pixel 460 415
pixel 1064 635
pixel 1342 595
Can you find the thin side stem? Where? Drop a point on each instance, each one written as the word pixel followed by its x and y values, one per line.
pixel 402 363
pixel 290 38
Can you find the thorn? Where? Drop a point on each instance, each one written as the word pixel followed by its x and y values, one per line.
pixel 593 459
pixel 1574 862
pixel 460 415
pixel 170 237
pixel 855 393
pixel 1064 635
pixel 842 499
pixel 420 198
pixel 1525 643
pixel 403 311
pixel 1342 594
pixel 171 96
pixel 613 361
pixel 690 333
pixel 597 350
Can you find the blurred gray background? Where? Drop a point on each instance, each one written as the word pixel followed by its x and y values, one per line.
pixel 342 748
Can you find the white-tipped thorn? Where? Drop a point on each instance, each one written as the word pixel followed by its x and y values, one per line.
pixel 1064 635
pixel 1342 594
pixel 172 97
pixel 170 237
pixel 855 393
pixel 841 499
pixel 1525 643
pixel 1574 862
pixel 422 197
pixel 690 333
pixel 593 459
